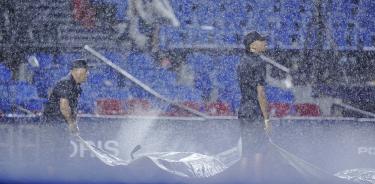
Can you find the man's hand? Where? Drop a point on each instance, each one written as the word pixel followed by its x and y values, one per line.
pixel 268 127
pixel 73 127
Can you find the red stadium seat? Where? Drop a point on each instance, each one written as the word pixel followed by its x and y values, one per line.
pixel 109 107
pixel 137 106
pixel 307 109
pixel 279 110
pixel 218 109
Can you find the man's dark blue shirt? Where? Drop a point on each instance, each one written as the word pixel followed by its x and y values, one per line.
pixel 251 72
pixel 66 88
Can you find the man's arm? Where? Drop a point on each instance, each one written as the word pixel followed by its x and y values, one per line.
pixel 263 101
pixel 264 107
pixel 67 113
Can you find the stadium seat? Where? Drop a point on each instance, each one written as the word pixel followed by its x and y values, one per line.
pixel 170 36
pixel 138 93
pixel 109 107
pixel 278 95
pixel 218 109
pixel 307 109
pixel 26 96
pixel 167 77
pixel 136 106
pixel 5 99
pixel 280 101
pixel 113 93
pixel 203 83
pixel 226 70
pixel 104 77
pixel 202 65
pixel 199 37
pixel 44 79
pixel 91 93
pixel 45 60
pixel 226 77
pixel 121 7
pixel 280 110
pixel 231 38
pixel 140 60
pixel 5 74
pixel 202 14
pixel 86 102
pixel 116 58
pixel 66 58
pixel 185 93
pixel 231 96
pixel 183 11
pixel 234 16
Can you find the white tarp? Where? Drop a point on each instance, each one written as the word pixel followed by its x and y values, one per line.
pixel 364 175
pixel 185 164
pixel 195 165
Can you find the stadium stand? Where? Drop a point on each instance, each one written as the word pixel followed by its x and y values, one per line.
pixel 26 96
pixel 204 24
pixel 5 95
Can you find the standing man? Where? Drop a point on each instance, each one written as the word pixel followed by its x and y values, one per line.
pixel 63 100
pixel 253 114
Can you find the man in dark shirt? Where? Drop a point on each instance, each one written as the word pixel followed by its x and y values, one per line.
pixel 253 109
pixel 63 100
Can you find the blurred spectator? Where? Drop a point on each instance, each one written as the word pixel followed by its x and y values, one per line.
pixel 84 13
pixel 151 15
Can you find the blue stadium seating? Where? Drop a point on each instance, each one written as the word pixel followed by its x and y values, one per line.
pixel 140 60
pixel 202 65
pixel 183 8
pixel 154 77
pixel 121 7
pixel 242 16
pixel 86 102
pixel 26 96
pixel 277 95
pixel 226 75
pixel 167 77
pixel 116 58
pixel 65 59
pixel 231 38
pixel 230 19
pixel 103 76
pixel 5 94
pixel 5 74
pixel 93 92
pixel 45 60
pixel 231 96
pixel 5 99
pixel 139 93
pixel 184 93
pixel 45 79
pixel 142 67
pixel 170 36
pixel 180 93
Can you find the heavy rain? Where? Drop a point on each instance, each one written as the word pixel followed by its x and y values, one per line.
pixel 187 91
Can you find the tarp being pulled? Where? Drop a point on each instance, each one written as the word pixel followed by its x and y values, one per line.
pixel 364 175
pixel 195 165
pixel 185 164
